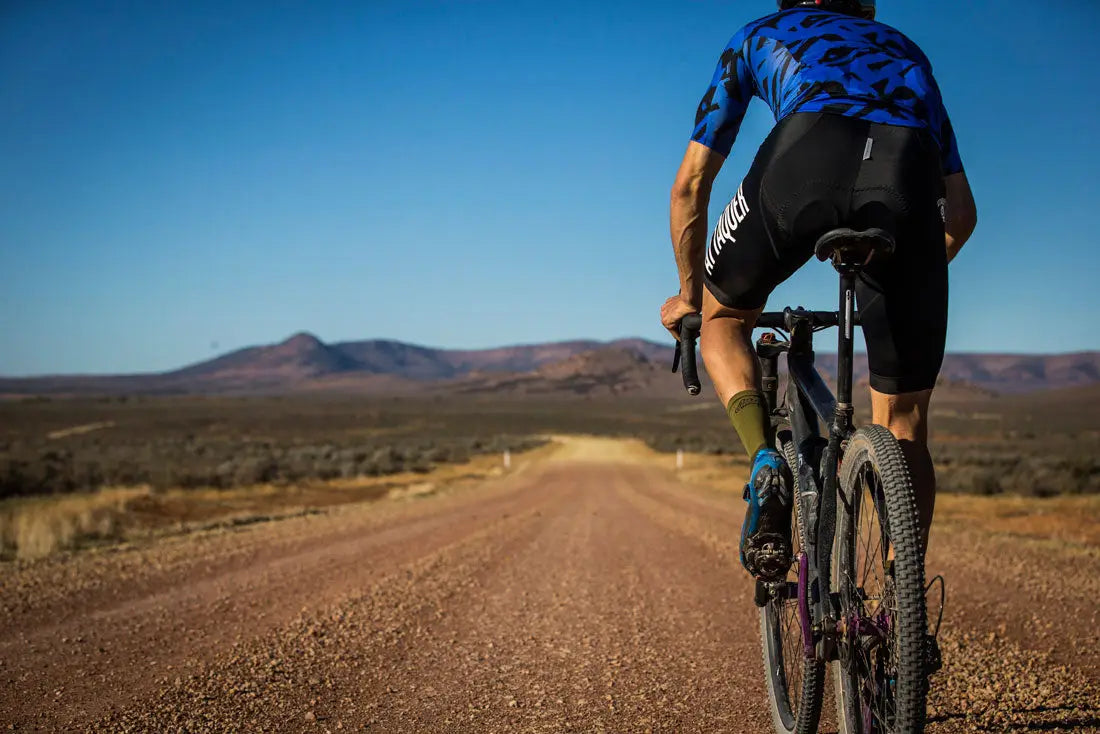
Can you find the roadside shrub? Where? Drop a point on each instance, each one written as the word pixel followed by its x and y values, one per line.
pixel 196 461
pixel 255 470
pixel 213 441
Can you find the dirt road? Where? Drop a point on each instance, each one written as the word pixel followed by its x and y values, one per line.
pixel 576 595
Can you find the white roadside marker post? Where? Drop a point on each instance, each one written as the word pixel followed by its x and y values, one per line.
pixel 679 458
pixel 507 459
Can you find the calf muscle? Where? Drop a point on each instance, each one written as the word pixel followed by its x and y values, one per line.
pixel 906 417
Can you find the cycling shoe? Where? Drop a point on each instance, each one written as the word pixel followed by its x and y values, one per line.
pixel 766 531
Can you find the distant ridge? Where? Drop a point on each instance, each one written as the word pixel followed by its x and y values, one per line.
pixel 616 369
pixel 581 367
pixel 300 357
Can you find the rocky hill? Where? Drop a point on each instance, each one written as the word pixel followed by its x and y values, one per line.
pixel 584 367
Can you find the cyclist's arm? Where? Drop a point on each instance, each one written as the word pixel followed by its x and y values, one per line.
pixel 717 121
pixel 688 216
pixel 962 214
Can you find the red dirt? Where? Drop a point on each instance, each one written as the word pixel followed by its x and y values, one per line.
pixel 573 597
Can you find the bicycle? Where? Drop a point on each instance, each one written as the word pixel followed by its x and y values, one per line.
pixel 855 594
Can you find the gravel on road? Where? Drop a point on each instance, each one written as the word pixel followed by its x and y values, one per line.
pixel 575 596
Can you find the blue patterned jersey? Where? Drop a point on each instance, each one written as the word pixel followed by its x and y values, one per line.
pixel 808 60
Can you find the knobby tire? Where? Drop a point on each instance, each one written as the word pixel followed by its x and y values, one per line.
pixel 883 682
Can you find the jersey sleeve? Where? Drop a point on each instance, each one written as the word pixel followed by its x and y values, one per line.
pixel 949 148
pixel 950 160
pixel 723 107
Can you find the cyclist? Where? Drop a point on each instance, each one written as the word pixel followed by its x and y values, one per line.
pixel 861 140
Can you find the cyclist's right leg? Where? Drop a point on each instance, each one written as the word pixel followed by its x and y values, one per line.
pixel 906 416
pixel 903 299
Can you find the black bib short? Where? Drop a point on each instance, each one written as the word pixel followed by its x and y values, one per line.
pixel 817 171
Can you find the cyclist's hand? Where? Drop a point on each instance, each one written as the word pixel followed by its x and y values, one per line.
pixel 673 310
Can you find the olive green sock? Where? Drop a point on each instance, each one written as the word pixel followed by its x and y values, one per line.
pixel 748 412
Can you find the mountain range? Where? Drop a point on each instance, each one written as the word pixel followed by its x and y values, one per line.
pixel 583 367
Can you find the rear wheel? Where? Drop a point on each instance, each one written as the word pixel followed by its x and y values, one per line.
pixel 878 575
pixel 794 683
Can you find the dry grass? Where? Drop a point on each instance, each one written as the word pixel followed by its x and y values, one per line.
pixel 40 526
pixel 1072 520
pixel 33 528
pixel 724 473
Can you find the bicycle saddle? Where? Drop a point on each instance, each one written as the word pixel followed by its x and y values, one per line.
pixel 853 247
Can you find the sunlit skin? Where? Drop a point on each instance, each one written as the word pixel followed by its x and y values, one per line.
pixel 726 336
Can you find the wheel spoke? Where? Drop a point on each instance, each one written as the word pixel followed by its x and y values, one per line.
pixel 792 653
pixel 870 488
pixel 795 682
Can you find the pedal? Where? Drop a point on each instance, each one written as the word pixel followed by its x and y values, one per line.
pixel 771 561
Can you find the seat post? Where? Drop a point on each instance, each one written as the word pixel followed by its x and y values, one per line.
pixel 849 250
pixel 845 337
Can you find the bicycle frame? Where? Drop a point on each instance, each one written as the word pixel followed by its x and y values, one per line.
pixel 807 401
pixel 807 404
pixel 832 628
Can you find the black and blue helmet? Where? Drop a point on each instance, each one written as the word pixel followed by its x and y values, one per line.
pixel 866 8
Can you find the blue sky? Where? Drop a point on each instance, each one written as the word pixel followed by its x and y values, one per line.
pixel 181 179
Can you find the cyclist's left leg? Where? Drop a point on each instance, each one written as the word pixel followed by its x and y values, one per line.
pixel 726 345
pixel 797 188
pixel 745 260
pixel 731 363
pixel 744 263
